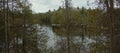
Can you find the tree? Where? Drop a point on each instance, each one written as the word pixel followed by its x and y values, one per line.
pixel 109 4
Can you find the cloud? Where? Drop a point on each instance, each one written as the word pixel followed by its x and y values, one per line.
pixel 45 5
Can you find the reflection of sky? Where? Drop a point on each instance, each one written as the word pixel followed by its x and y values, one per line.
pixel 45 5
pixel 49 33
pixel 54 40
pixel 51 40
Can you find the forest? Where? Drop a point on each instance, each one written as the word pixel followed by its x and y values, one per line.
pixel 67 29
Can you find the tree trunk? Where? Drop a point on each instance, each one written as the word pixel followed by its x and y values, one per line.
pixel 6 26
pixel 68 43
pixel 112 28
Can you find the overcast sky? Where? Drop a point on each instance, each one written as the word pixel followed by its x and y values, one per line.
pixel 45 5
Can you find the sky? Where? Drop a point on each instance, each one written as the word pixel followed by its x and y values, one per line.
pixel 45 5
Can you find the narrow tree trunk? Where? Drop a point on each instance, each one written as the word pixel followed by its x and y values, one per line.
pixel 6 27
pixel 68 44
pixel 112 28
pixel 24 35
pixel 67 17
